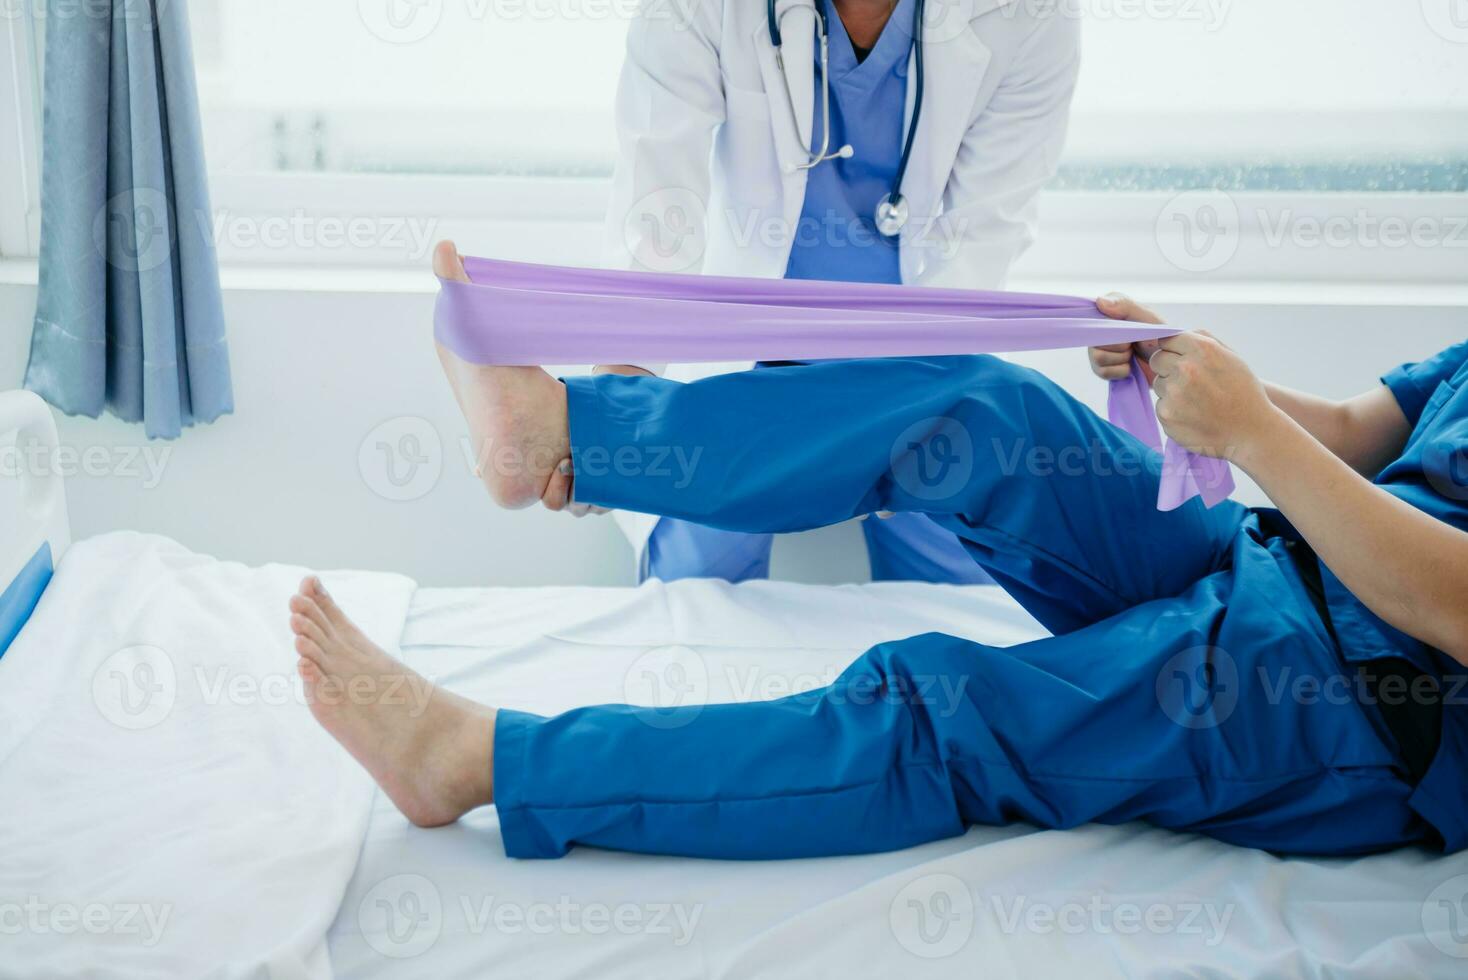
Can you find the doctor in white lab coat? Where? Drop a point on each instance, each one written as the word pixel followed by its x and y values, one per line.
pixel 709 178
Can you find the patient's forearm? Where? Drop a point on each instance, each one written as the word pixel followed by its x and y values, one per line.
pixel 1367 432
pixel 1406 566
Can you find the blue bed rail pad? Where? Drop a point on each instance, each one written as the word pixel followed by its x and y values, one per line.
pixel 20 597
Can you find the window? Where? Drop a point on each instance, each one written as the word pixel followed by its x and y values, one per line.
pixel 410 86
pixel 20 115
pixel 1306 94
pixel 1297 95
pixel 357 131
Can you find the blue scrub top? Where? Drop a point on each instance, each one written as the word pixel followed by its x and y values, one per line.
pixel 1431 475
pixel 836 238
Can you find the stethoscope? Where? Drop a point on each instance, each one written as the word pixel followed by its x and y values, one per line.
pixel 892 212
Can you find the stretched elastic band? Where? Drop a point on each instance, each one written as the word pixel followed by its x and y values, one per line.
pixel 518 313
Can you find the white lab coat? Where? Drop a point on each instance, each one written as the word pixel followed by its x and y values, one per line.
pixel 706 137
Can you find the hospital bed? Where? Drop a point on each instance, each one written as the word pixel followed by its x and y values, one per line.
pixel 169 808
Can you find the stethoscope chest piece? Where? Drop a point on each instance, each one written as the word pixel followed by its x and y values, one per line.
pixel 891 215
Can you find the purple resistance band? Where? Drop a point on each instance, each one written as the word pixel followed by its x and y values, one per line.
pixel 519 313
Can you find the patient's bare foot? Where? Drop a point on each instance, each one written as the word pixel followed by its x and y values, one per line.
pixel 429 750
pixel 516 415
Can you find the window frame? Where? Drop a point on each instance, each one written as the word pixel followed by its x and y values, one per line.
pixel 20 142
pixel 1086 236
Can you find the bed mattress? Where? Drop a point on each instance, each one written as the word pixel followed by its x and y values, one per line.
pixel 996 902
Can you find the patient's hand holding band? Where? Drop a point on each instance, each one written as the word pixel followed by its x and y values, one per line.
pixel 526 314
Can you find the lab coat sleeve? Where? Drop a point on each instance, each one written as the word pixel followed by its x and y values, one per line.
pixel 670 100
pixel 1011 150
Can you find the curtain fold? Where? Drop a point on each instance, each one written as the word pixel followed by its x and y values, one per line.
pixel 129 315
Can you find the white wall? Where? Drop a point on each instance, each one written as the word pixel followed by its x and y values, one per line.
pixel 281 480
pixel 316 372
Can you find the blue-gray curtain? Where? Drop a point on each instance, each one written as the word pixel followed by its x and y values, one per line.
pixel 129 316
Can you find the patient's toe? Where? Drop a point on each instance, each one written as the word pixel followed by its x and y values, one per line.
pixel 302 626
pixel 310 673
pixel 447 264
pixel 311 650
pixel 311 610
pixel 328 608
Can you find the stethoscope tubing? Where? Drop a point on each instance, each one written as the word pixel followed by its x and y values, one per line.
pixel 917 100
pixel 894 196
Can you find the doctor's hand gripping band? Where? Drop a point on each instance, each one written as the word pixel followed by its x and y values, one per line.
pixel 519 313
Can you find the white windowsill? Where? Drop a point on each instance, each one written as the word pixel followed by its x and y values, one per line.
pixel 372 280
pixel 295 279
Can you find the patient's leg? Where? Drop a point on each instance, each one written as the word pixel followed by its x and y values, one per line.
pixel 1058 505
pixel 428 749
pixel 1054 502
pixel 1151 715
pixel 516 415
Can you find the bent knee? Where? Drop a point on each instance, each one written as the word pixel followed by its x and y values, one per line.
pixel 933 673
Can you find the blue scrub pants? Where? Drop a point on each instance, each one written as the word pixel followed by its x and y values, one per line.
pixel 1191 684
pixel 907 547
pixel 903 548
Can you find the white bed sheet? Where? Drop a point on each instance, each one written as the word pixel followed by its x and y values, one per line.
pixel 997 902
pixel 168 806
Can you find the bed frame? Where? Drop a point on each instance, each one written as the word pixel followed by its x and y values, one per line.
pixel 32 540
